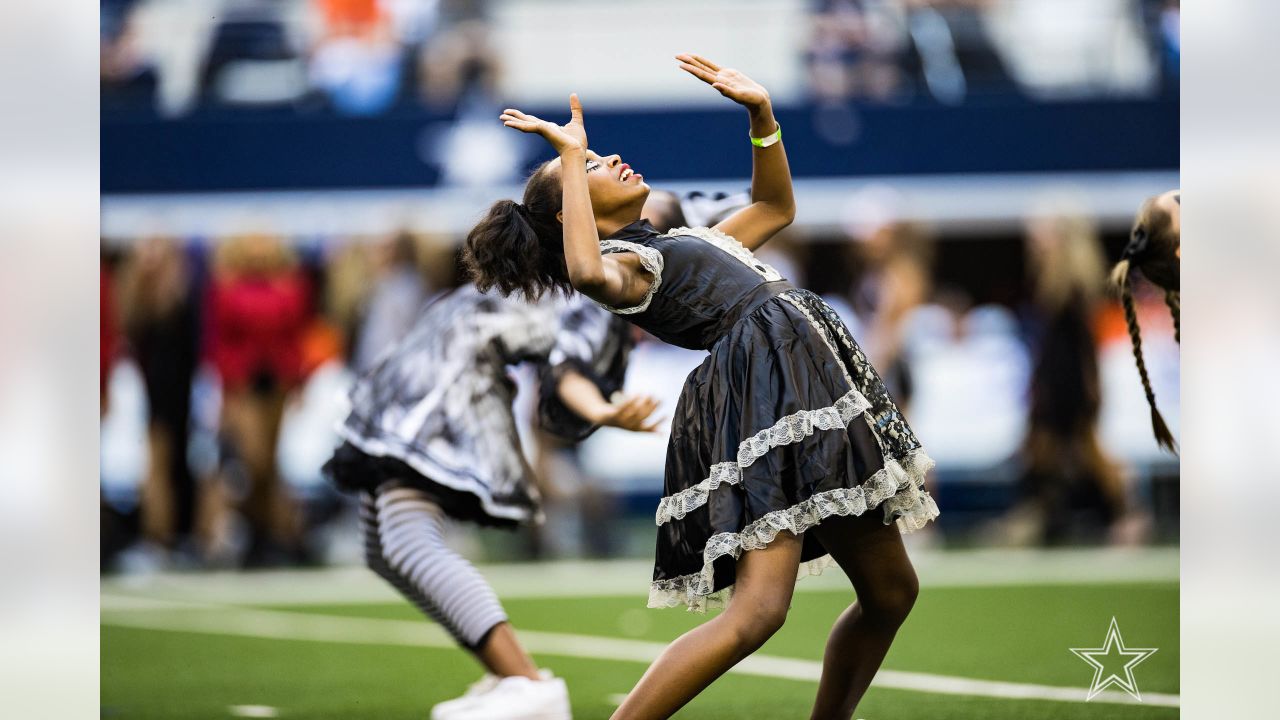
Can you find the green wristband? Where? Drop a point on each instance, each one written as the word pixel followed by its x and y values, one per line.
pixel 765 142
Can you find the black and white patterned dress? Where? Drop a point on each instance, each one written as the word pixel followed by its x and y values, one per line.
pixel 783 425
pixel 435 412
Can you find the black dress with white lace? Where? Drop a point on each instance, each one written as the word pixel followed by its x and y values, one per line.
pixel 435 411
pixel 783 425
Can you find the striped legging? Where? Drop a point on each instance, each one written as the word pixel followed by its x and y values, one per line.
pixel 404 543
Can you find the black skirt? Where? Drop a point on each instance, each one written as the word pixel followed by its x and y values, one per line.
pixel 783 425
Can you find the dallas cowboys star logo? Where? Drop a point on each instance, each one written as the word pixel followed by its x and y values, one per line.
pixel 1113 645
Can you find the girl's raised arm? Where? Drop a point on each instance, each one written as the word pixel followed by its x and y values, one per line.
pixel 773 205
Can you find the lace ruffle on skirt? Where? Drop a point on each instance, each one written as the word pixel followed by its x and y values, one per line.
pixel 790 429
pixel 895 489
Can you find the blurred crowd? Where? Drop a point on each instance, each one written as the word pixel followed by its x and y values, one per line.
pixel 354 57
pixel 366 57
pixel 225 363
pixel 952 50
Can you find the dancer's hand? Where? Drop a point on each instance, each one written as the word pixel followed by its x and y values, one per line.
pixel 632 413
pixel 731 83
pixel 564 138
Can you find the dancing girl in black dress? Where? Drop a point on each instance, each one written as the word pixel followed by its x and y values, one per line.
pixel 786 452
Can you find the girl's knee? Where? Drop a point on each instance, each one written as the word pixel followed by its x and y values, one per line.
pixel 892 598
pixel 754 626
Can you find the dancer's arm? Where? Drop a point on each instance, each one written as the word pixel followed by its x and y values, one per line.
pixel 582 397
pixel 773 204
pixel 603 279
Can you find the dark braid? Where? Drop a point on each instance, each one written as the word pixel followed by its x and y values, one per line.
pixel 1163 436
pixel 1153 250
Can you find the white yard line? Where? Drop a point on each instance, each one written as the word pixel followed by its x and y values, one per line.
pixel 630 578
pixel 249 622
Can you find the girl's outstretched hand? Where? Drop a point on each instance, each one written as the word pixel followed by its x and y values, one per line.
pixel 570 136
pixel 731 83
pixel 632 413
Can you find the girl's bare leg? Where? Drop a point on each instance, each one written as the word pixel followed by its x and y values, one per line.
pixel 502 654
pixel 872 555
pixel 761 597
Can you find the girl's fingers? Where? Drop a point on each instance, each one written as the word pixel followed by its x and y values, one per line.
pixel 656 425
pixel 575 107
pixel 706 63
pixel 698 72
pixel 699 61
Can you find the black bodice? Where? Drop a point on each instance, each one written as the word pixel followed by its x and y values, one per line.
pixel 704 280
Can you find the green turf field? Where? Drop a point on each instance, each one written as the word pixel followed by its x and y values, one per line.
pixel 380 660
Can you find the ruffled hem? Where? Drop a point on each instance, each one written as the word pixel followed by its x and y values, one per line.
pixel 895 489
pixel 790 429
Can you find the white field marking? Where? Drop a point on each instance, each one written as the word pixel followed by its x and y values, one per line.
pixel 274 624
pixel 253 711
pixel 630 578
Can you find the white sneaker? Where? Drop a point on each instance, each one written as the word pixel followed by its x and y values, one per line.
pixel 511 698
pixel 445 710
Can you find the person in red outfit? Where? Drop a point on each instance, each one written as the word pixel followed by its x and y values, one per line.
pixel 257 309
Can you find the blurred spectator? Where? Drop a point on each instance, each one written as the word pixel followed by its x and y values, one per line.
pixel 952 54
pixel 257 312
pixel 1164 28
pixel 459 60
pixel 662 208
pixel 854 49
pixel 161 325
pixel 398 293
pixel 356 60
pixel 1069 487
pixel 886 50
pixel 896 262
pixel 107 330
pixel 126 73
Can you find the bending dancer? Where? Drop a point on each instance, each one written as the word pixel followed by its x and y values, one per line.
pixel 1155 249
pixel 786 451
pixel 431 436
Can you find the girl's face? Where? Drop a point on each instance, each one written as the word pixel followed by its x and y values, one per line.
pixel 613 185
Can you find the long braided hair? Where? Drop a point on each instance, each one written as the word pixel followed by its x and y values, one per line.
pixel 1154 249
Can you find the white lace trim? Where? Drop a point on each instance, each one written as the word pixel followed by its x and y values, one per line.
pixel 790 429
pixel 896 488
pixel 652 261
pixel 730 245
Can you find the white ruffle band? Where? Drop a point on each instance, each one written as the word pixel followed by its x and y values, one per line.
pixel 895 488
pixel 790 429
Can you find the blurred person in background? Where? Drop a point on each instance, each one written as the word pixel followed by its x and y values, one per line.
pixel 257 310
pixel 854 48
pixel 1068 484
pixel 1163 21
pixel 394 302
pixel 459 60
pixel 431 438
pixel 1155 251
pixel 952 55
pixel 356 59
pixel 127 74
pixel 108 330
pixel 160 314
pixel 663 209
pixel 896 278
